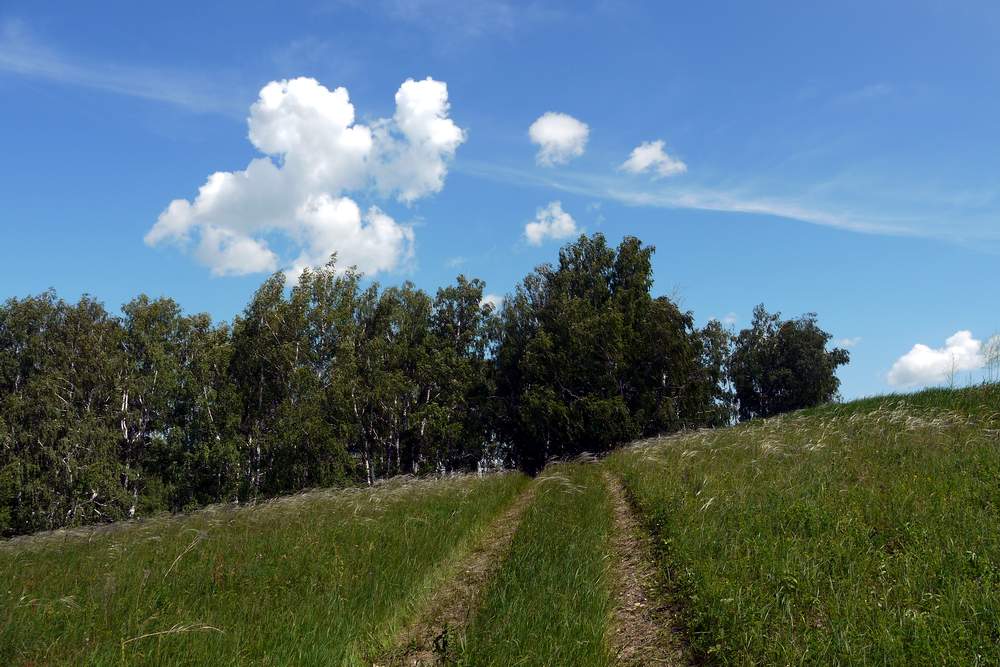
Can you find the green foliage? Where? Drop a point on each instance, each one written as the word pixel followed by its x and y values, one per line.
pixel 178 407
pixel 324 384
pixel 779 366
pixel 61 368
pixel 282 377
pixel 588 359
pixel 862 533
pixel 333 381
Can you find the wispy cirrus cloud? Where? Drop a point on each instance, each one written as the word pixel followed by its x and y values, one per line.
pixel 613 188
pixel 22 54
pixel 728 320
pixel 454 23
pixel 866 93
pixel 495 300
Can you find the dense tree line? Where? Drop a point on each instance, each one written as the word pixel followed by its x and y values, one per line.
pixel 588 359
pixel 333 381
pixel 780 365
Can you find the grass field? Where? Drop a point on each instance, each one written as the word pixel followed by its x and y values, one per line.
pixel 867 533
pixel 863 533
pixel 316 579
pixel 550 602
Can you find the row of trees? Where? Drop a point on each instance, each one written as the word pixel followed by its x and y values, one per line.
pixel 335 381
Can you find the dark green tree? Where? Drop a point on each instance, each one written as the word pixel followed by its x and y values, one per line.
pixel 177 407
pixel 453 423
pixel 290 435
pixel 333 381
pixel 719 404
pixel 588 359
pixel 61 370
pixel 783 365
pixel 393 357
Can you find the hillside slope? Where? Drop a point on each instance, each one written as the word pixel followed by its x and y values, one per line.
pixel 850 534
pixel 864 533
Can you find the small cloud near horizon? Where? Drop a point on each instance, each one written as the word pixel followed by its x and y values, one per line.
pixel 551 222
pixel 924 365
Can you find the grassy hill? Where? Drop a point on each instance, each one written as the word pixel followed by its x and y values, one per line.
pixel 866 532
pixel 318 578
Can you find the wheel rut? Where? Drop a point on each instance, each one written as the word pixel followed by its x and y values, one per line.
pixel 643 627
pixel 450 607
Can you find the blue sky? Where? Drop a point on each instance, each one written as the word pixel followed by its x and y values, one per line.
pixel 839 159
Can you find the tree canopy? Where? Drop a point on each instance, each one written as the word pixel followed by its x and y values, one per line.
pixel 783 365
pixel 334 380
pixel 588 359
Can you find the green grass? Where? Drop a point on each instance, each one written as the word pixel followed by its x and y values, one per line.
pixel 864 533
pixel 549 604
pixel 867 533
pixel 321 578
pixel 981 400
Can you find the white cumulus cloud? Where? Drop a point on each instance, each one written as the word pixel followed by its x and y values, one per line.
pixel 415 146
pixel 849 342
pixel 924 365
pixel 316 154
pixel 651 156
pixel 551 222
pixel 560 138
pixel 373 241
pixel 229 253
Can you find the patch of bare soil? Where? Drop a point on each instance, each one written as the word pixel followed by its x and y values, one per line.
pixel 450 606
pixel 644 631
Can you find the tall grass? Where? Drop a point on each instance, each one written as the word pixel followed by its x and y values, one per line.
pixel 549 604
pixel 856 534
pixel 981 400
pixel 315 579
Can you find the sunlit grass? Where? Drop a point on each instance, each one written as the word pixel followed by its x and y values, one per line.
pixel 320 578
pixel 549 604
pixel 864 533
pixel 859 534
